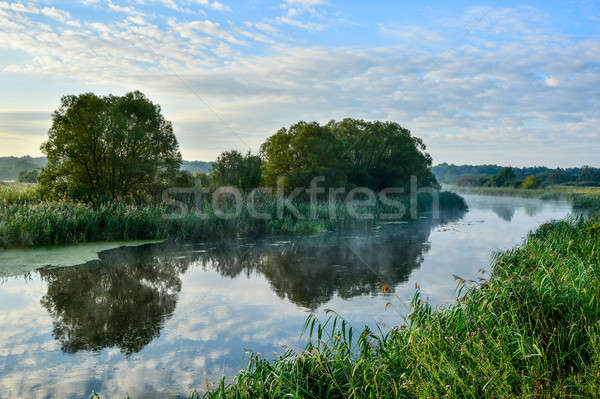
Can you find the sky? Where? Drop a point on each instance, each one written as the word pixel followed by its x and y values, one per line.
pixel 505 82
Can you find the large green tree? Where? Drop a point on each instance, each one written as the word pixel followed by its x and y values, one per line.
pixel 382 154
pixel 102 146
pixel 350 152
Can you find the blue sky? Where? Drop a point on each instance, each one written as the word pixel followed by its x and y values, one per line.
pixel 495 82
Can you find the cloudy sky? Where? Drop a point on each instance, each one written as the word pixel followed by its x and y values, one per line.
pixel 494 82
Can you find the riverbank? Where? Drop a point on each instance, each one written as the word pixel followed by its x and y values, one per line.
pixel 585 198
pixel 530 329
pixel 26 220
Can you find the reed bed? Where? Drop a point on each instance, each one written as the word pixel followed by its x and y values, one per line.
pixel 19 193
pixel 25 220
pixel 530 329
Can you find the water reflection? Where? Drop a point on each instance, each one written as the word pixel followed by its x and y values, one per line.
pixel 309 271
pixel 119 301
pixel 506 207
pixel 159 321
pixel 124 299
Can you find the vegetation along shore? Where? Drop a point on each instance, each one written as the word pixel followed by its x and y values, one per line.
pixel 113 171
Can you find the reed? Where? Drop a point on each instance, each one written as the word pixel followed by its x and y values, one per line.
pixel 19 193
pixel 25 220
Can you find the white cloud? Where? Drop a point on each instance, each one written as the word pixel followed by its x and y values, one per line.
pixel 299 24
pixel 126 10
pixel 59 15
pixel 538 87
pixel 551 82
pixel 306 3
pixel 214 5
pixel 18 7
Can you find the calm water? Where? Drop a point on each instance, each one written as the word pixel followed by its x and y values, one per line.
pixel 157 320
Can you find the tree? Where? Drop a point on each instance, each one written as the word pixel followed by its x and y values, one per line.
pixel 183 178
pixel 531 182
pixel 588 174
pixel 302 152
pixel 382 154
pixel 28 176
pixel 234 169
pixel 347 153
pixel 506 177
pixel 109 146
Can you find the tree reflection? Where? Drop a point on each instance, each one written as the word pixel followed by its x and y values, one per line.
pixel 309 271
pixel 124 299
pixel 504 212
pixel 120 301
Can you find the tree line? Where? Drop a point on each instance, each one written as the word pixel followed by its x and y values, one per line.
pixel 107 146
pixel 528 177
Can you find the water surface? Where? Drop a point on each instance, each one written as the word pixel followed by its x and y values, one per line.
pixel 159 320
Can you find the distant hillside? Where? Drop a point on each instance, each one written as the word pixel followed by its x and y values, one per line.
pixel 196 166
pixel 451 174
pixel 11 166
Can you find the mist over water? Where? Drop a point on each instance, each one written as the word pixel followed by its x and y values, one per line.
pixel 161 319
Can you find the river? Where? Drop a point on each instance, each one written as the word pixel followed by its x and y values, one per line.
pixel 158 320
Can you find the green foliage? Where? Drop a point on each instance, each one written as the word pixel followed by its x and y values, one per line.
pixel 234 169
pixel 468 175
pixel 108 146
pixel 382 154
pixel 347 153
pixel 302 152
pixel 28 176
pixel 183 178
pixel 530 330
pixel 588 174
pixel 531 182
pixel 505 178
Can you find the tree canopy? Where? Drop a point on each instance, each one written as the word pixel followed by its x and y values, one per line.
pixel 347 153
pixel 382 154
pixel 108 146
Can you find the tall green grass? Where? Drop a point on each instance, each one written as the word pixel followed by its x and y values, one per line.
pixel 25 220
pixel 19 193
pixel 531 329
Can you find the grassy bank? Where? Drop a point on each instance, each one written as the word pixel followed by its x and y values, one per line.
pixel 531 329
pixel 26 220
pixel 582 197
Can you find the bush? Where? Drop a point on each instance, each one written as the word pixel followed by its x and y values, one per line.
pixel 531 182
